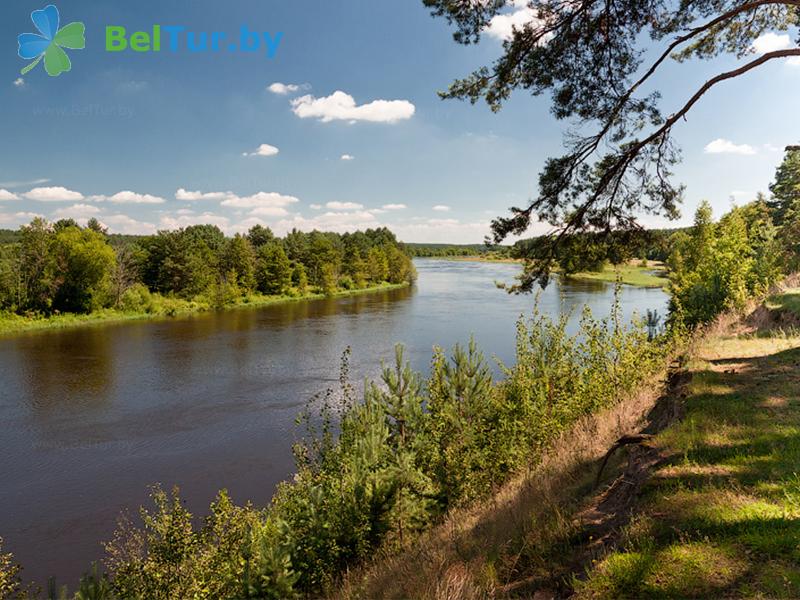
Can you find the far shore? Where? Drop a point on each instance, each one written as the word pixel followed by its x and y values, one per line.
pixel 654 275
pixel 11 324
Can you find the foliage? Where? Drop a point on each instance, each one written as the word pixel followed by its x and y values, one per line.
pixel 49 269
pixel 718 267
pixel 593 58
pixel 786 187
pixel 273 270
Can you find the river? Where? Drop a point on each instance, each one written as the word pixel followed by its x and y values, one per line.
pixel 92 416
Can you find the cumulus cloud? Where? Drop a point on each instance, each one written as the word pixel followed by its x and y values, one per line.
pixel 394 206
pixel 76 211
pixel 206 218
pixel 263 150
pixel 451 231
pixel 502 26
pixel 260 200
pixel 53 194
pixel 19 82
pixel 723 146
pixel 346 157
pixel 315 206
pixel 189 196
pixel 127 225
pixel 128 197
pixel 17 219
pixel 441 208
pixel 6 195
pixel 282 89
pixel 344 205
pixel 770 42
pixel 339 222
pixel 269 211
pixel 340 106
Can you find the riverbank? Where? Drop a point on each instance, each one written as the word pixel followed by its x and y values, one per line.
pixel 700 499
pixel 653 275
pixel 165 308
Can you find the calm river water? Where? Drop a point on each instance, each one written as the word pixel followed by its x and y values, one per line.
pixel 91 417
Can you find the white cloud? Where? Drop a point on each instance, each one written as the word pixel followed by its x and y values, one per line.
pixel 76 211
pixel 441 208
pixel 328 221
pixel 263 150
pixel 269 211
pixel 260 200
pixel 502 26
pixel 19 82
pixel 127 225
pixel 449 231
pixel 344 205
pixel 723 146
pixel 206 218
pixel 770 42
pixel 53 194
pixel 128 197
pixel 340 106
pixel 394 207
pixel 283 89
pixel 315 206
pixel 189 196
pixel 6 195
pixel 17 219
pixel 346 157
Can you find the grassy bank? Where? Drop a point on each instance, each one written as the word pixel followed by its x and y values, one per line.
pixel 163 308
pixel 654 275
pixel 720 516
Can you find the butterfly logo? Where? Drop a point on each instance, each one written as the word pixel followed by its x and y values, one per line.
pixel 50 42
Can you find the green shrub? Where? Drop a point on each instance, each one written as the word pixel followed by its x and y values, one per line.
pixel 137 299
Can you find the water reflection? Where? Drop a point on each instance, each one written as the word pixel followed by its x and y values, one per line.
pixel 92 416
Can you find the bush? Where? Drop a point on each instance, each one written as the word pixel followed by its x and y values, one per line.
pixel 346 283
pixel 137 299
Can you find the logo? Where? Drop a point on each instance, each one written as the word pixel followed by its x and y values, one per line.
pixel 50 42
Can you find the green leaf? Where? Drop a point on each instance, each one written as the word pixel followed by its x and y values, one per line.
pixel 56 61
pixel 71 36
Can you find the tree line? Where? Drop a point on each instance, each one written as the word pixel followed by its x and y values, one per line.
pixel 50 268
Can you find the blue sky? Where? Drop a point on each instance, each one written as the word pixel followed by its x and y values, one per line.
pixel 145 141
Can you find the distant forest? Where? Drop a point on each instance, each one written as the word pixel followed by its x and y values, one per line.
pixel 49 268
